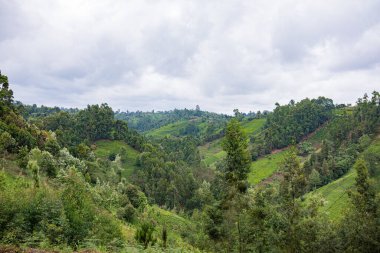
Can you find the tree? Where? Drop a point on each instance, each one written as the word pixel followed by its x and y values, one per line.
pixel 78 206
pixel 48 164
pixel 238 159
pixel 52 146
pixel 314 178
pixel 144 234
pixel 7 142
pixel 238 115
pixel 35 170
pixel 164 236
pixel 361 226
pixel 6 95
pixel 291 188
pixel 237 166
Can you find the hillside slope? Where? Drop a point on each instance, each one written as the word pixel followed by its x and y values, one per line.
pixel 105 148
pixel 336 192
pixel 211 152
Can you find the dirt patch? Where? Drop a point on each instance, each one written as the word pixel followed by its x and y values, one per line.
pixel 274 177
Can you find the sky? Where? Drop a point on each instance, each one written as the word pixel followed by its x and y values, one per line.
pixel 221 55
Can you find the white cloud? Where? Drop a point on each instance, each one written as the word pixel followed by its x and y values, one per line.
pixel 143 55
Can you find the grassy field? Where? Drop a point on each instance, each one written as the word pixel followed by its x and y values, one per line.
pixel 177 227
pixel 343 111
pixel 253 127
pixel 264 167
pixel 211 152
pixel 335 194
pixel 106 147
pixel 170 129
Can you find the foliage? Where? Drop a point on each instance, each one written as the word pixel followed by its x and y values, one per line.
pixel 265 167
pixel 288 124
pixel 144 234
pixel 238 160
pixel 360 228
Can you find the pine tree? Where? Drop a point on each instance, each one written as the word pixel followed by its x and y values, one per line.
pixel 361 227
pixel 238 159
pixel 292 187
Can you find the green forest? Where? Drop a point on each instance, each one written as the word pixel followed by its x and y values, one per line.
pixel 304 177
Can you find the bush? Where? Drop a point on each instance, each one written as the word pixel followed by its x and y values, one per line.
pixel 144 234
pixel 126 213
pixel 112 156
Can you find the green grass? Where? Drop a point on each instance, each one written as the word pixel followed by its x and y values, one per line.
pixel 335 194
pixel 106 147
pixel 178 227
pixel 343 111
pixel 170 129
pixel 177 128
pixel 253 127
pixel 212 152
pixel 264 167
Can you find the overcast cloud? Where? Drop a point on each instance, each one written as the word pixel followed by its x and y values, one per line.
pixel 144 55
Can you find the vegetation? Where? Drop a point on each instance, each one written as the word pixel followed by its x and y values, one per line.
pixel 127 155
pixel 304 178
pixel 264 167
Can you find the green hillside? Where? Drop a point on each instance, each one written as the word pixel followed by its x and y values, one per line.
pixel 212 152
pixel 335 193
pixel 106 147
pixel 170 129
pixel 264 167
pixel 253 127
pixel 201 127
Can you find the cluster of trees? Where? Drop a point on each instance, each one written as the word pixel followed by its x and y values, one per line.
pixel 67 198
pixel 279 216
pixel 288 124
pixel 145 121
pixel 170 174
pixel 14 130
pixel 76 128
pixel 32 111
pixel 347 135
pixel 61 209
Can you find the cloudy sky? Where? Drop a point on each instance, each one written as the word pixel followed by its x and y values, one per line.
pixel 144 55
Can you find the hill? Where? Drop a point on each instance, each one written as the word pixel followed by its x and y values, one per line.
pixel 106 148
pixel 336 192
pixel 211 152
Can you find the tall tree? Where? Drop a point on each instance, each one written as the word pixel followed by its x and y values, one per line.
pixel 6 94
pixel 238 159
pixel 237 167
pixel 361 226
pixel 292 187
